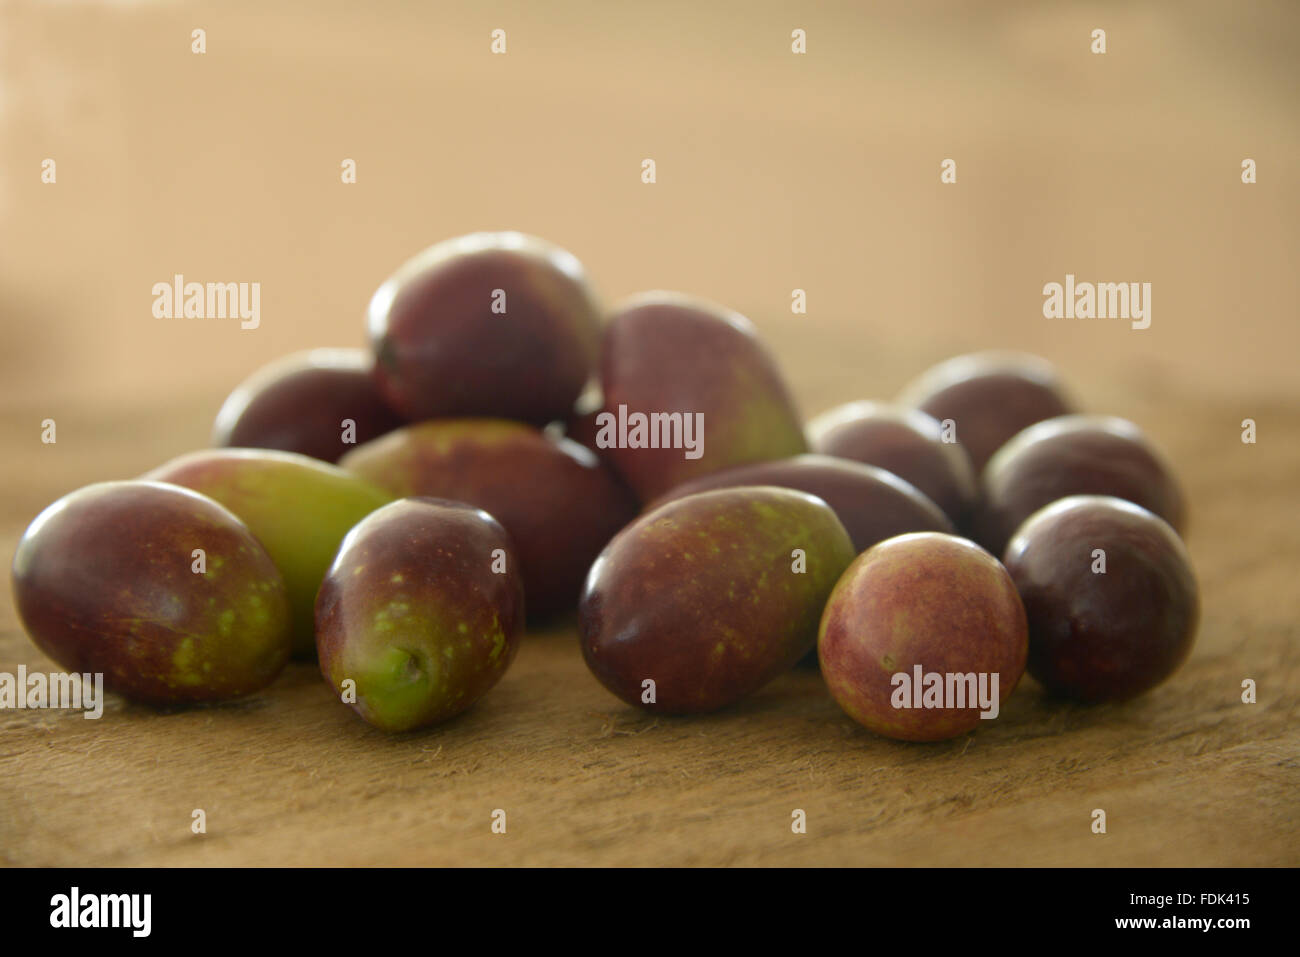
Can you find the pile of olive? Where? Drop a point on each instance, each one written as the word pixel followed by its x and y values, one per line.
pixel 504 446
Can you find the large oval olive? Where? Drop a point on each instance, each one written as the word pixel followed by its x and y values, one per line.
pixel 708 598
pixel 161 589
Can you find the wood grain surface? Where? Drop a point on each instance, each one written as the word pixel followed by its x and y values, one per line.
pixel 776 172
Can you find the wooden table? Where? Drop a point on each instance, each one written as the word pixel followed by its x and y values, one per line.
pixel 775 172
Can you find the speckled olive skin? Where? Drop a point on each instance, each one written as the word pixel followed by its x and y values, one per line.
pixel 1111 636
pixel 104 581
pixel 700 596
pixel 299 508
pixel 904 441
pixel 990 396
pixel 668 353
pixel 871 503
pixel 1074 455
pixel 440 350
pixel 925 599
pixel 559 503
pixel 299 404
pixel 414 613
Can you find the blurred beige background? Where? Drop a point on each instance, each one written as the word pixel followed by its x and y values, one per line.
pixel 775 171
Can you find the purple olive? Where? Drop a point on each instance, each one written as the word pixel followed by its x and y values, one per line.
pixel 161 589
pixel 871 503
pixel 904 441
pixel 707 598
pixel 689 389
pixel 920 614
pixel 320 403
pixel 1110 594
pixel 990 396
pixel 422 610
pixel 491 324
pixel 1074 455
